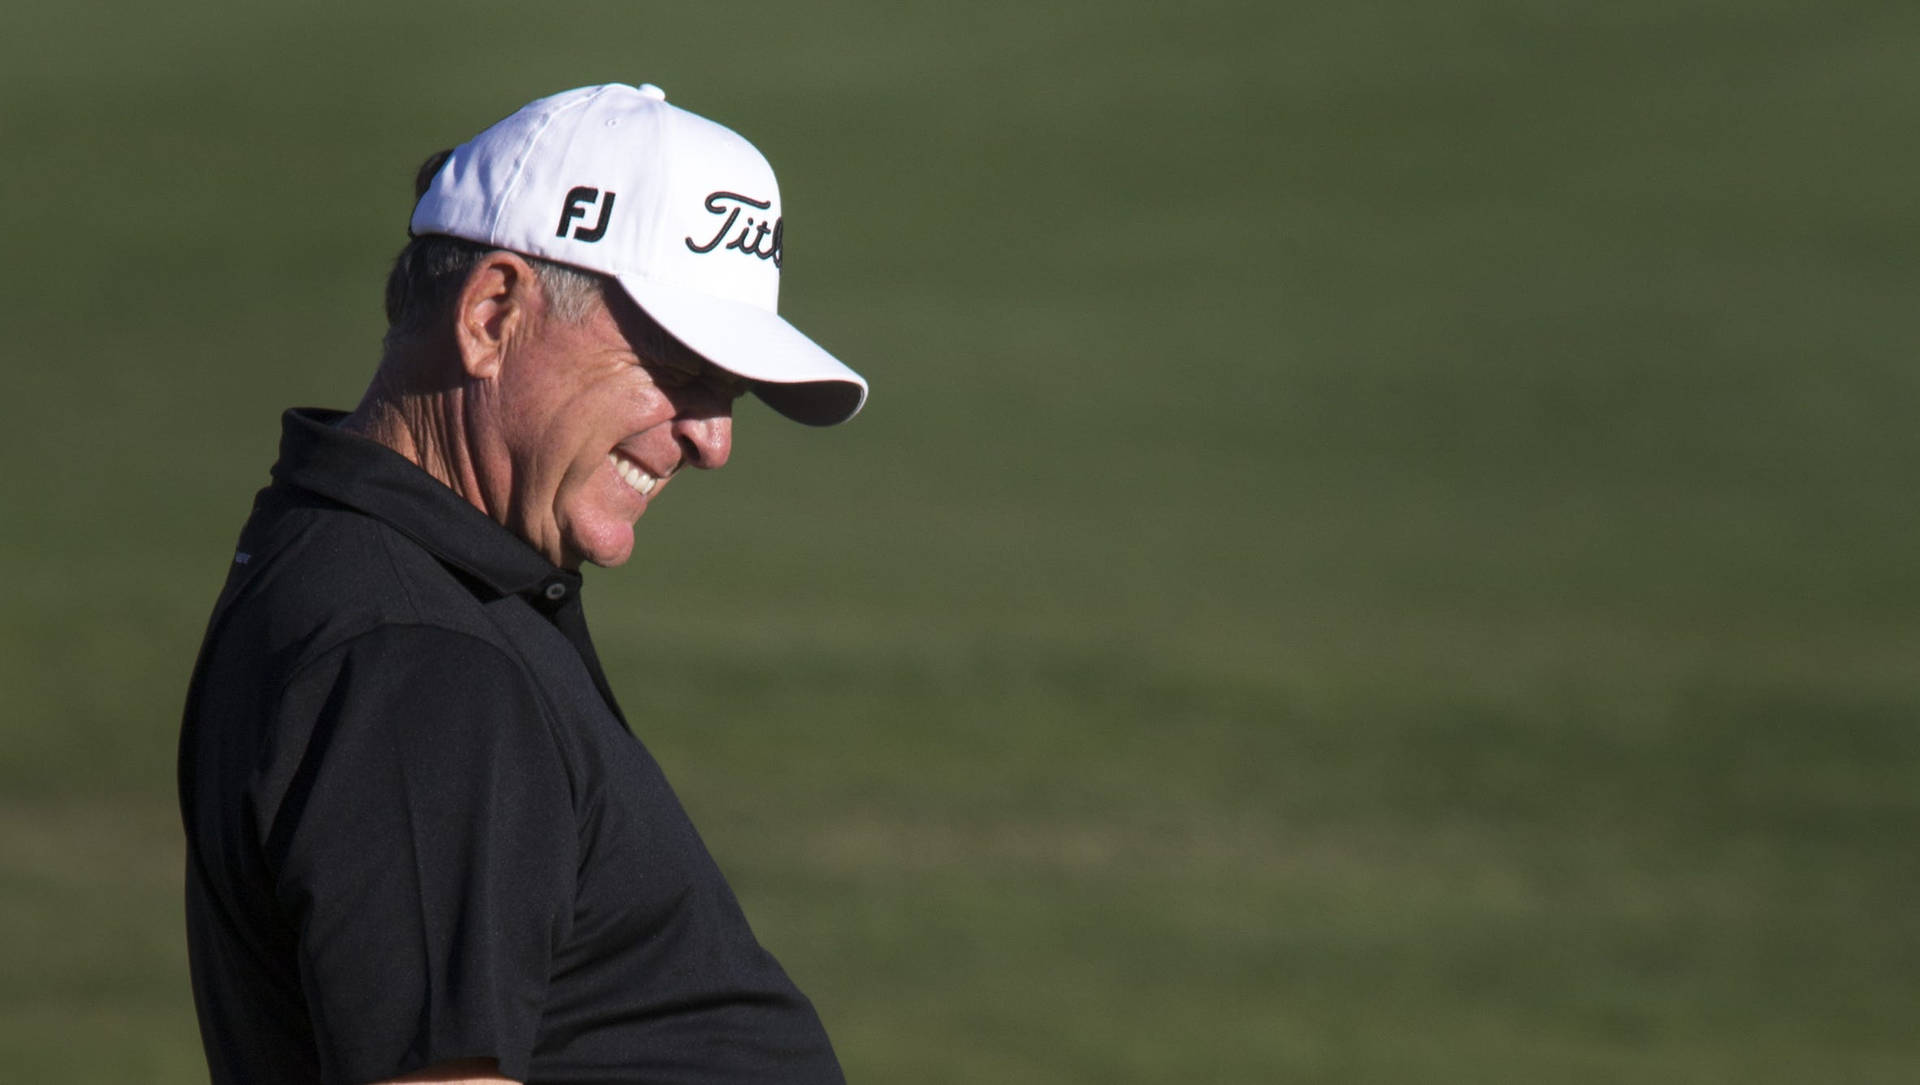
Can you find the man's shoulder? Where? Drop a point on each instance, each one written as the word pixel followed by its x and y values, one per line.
pixel 314 574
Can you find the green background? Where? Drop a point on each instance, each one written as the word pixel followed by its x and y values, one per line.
pixel 1380 550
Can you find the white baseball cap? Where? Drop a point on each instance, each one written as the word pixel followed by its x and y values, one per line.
pixel 683 213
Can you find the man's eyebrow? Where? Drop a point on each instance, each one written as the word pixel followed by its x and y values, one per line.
pixel 689 364
pixel 679 359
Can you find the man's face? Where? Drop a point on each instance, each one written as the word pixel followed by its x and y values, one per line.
pixel 589 431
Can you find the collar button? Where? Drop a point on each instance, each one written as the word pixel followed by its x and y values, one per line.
pixel 555 591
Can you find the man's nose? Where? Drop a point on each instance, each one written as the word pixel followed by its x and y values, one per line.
pixel 706 439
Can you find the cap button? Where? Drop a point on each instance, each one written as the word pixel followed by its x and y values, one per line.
pixel 648 90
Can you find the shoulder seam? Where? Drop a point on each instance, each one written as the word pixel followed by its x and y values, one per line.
pixel 548 716
pixel 393 565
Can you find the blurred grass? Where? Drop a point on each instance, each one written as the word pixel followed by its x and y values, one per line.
pixel 1379 553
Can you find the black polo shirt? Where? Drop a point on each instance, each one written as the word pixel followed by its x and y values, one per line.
pixel 418 828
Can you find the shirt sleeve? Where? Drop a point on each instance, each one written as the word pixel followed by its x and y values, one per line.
pixel 423 851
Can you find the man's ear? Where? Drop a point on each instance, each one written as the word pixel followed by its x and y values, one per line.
pixel 499 300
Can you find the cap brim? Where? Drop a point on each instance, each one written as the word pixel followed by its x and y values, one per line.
pixel 791 373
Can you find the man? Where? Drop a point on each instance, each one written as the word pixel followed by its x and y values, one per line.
pixel 422 842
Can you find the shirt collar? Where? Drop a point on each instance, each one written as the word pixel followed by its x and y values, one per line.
pixel 318 456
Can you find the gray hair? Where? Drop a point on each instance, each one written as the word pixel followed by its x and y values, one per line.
pixel 428 273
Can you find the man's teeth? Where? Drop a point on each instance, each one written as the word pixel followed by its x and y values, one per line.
pixel 631 474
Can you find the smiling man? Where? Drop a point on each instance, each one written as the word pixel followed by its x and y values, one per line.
pixel 423 842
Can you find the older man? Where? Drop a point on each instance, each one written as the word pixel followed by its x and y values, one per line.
pixel 423 843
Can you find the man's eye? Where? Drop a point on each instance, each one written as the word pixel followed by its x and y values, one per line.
pixel 668 377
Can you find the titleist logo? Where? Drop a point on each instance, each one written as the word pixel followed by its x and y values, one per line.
pixel 761 239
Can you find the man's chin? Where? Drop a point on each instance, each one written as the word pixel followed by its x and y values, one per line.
pixel 608 547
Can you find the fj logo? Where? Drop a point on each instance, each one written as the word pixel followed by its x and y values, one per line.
pixel 578 201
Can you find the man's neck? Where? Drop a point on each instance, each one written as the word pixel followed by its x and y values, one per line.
pixel 424 426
